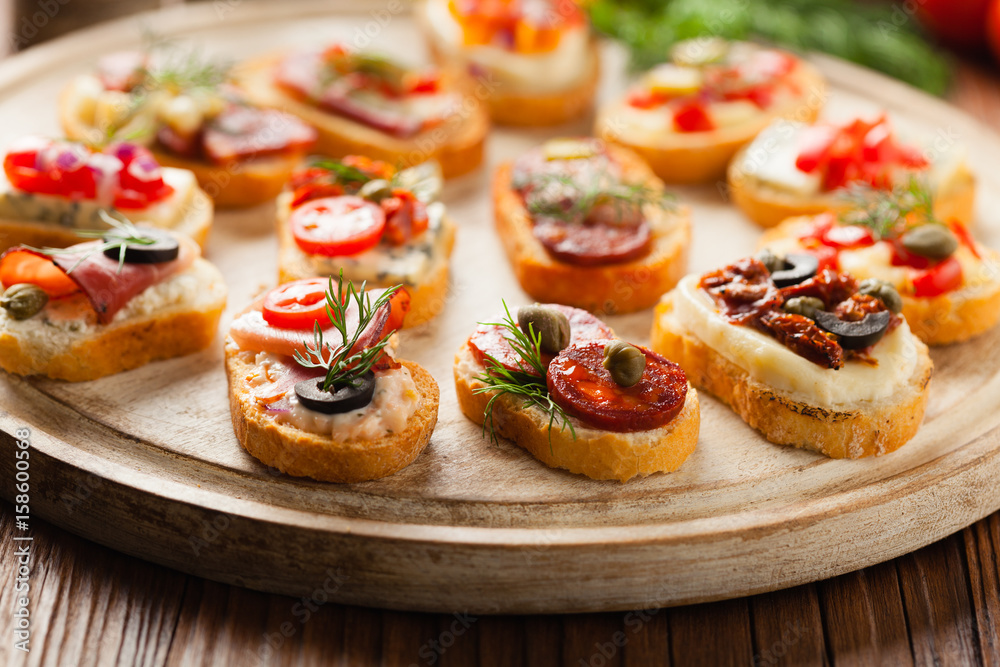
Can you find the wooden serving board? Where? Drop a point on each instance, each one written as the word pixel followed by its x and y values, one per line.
pixel 146 461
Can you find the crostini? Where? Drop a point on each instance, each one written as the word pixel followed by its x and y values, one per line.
pixel 183 109
pixel 948 285
pixel 364 219
pixel 314 386
pixel 132 296
pixel 560 385
pixel 806 357
pixel 538 63
pixel 53 189
pixel 793 169
pixel 367 104
pixel 688 117
pixel 587 224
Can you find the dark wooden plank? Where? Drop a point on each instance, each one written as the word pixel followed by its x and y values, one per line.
pixel 362 637
pixel 891 629
pixel 982 547
pixel 501 640
pixel 711 634
pixel 648 633
pixel 593 640
pixel 849 620
pixel 406 638
pixel 456 641
pixel 788 628
pixel 543 640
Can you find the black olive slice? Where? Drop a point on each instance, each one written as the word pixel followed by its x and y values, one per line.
pixel 798 267
pixel 164 247
pixel 342 399
pixel 855 335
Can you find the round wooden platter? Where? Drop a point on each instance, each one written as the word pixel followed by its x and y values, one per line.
pixel 146 461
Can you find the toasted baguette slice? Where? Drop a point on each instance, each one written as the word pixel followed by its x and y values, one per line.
pixel 320 457
pixel 702 157
pixel 769 206
pixel 195 224
pixel 953 317
pixel 457 144
pixel 246 183
pixel 595 453
pixel 427 295
pixel 614 288
pixel 868 428
pixel 92 351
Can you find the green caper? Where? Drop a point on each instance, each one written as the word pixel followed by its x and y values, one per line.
pixel 807 306
pixel 767 257
pixel 375 190
pixel 883 291
pixel 932 241
pixel 22 301
pixel 625 362
pixel 551 325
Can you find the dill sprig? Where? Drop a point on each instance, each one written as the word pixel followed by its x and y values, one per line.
pixel 885 212
pixel 582 197
pixel 343 173
pixel 122 234
pixel 342 367
pixel 181 69
pixel 528 385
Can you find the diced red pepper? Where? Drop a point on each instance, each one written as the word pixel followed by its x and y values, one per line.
pixel 693 117
pixel 941 278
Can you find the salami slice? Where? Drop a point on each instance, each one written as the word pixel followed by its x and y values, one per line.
pixel 593 244
pixel 580 385
pixel 490 339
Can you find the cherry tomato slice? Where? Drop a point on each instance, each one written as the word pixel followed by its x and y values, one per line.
pixel 336 226
pixel 399 306
pixel 939 279
pixel 298 305
pixel 848 237
pixel 693 117
pixel 21 266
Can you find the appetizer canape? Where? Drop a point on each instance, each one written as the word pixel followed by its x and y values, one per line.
pixel 559 384
pixel 794 169
pixel 362 218
pixel 587 224
pixel 537 61
pixel 55 188
pixel 948 285
pixel 806 357
pixel 688 117
pixel 314 386
pixel 367 104
pixel 131 296
pixel 191 118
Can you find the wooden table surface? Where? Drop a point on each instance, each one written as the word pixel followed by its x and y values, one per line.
pixel 93 606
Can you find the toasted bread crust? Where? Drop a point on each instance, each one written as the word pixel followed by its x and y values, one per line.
pixel 610 289
pixel 871 429
pixel 118 347
pixel 953 317
pixel 769 206
pixel 302 454
pixel 596 454
pixel 457 145
pixel 701 157
pixel 196 224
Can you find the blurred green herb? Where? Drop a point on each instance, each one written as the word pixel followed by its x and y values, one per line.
pixel 883 37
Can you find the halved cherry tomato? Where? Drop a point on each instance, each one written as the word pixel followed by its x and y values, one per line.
pixel 939 279
pixel 336 226
pixel 21 266
pixel 298 305
pixel 693 117
pixel 828 258
pixel 399 306
pixel 645 99
pixel 848 237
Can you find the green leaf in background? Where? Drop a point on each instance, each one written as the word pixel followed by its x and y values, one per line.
pixel 882 37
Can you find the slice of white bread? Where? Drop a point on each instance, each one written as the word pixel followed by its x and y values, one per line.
pixel 428 295
pixel 866 428
pixel 595 453
pixel 953 317
pixel 320 457
pixel 245 183
pixel 195 224
pixel 177 317
pixel 613 288
pixel 457 144
pixel 702 157
pixel 769 206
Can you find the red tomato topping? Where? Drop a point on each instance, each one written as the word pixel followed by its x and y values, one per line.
pixel 405 217
pixel 964 237
pixel 645 99
pixel 336 226
pixel 399 306
pixel 298 305
pixel 26 267
pixel 903 257
pixel 580 385
pixel 693 117
pixel 828 258
pixel 941 278
pixel 848 237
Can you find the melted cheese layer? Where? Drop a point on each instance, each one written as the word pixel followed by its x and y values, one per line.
pixel 771 363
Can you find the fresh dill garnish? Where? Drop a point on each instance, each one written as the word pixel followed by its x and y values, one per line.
pixel 122 233
pixel 575 200
pixel 181 69
pixel 343 173
pixel 529 383
pixel 885 212
pixel 342 367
